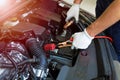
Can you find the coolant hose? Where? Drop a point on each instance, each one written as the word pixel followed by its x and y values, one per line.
pixel 35 49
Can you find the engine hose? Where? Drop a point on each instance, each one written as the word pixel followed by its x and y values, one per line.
pixel 35 49
pixel 8 65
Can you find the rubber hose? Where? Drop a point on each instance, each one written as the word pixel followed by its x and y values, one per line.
pixel 37 51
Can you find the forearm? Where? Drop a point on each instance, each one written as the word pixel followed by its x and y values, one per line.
pixel 77 1
pixel 110 16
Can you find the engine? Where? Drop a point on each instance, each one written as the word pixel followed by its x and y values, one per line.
pixel 22 57
pixel 29 41
pixel 26 52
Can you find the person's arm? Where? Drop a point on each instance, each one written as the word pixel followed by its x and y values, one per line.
pixel 77 1
pixel 110 16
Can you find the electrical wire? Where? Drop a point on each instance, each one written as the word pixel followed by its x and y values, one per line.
pixel 104 37
pixel 14 63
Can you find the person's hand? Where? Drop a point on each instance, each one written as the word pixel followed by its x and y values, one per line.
pixel 81 40
pixel 73 12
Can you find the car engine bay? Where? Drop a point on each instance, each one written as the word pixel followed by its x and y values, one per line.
pixel 29 38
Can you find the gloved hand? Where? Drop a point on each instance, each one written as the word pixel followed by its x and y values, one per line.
pixel 73 12
pixel 81 40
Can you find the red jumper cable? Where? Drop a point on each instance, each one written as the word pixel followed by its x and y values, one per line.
pixel 104 37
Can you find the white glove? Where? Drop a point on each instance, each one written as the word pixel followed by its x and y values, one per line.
pixel 73 12
pixel 81 40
